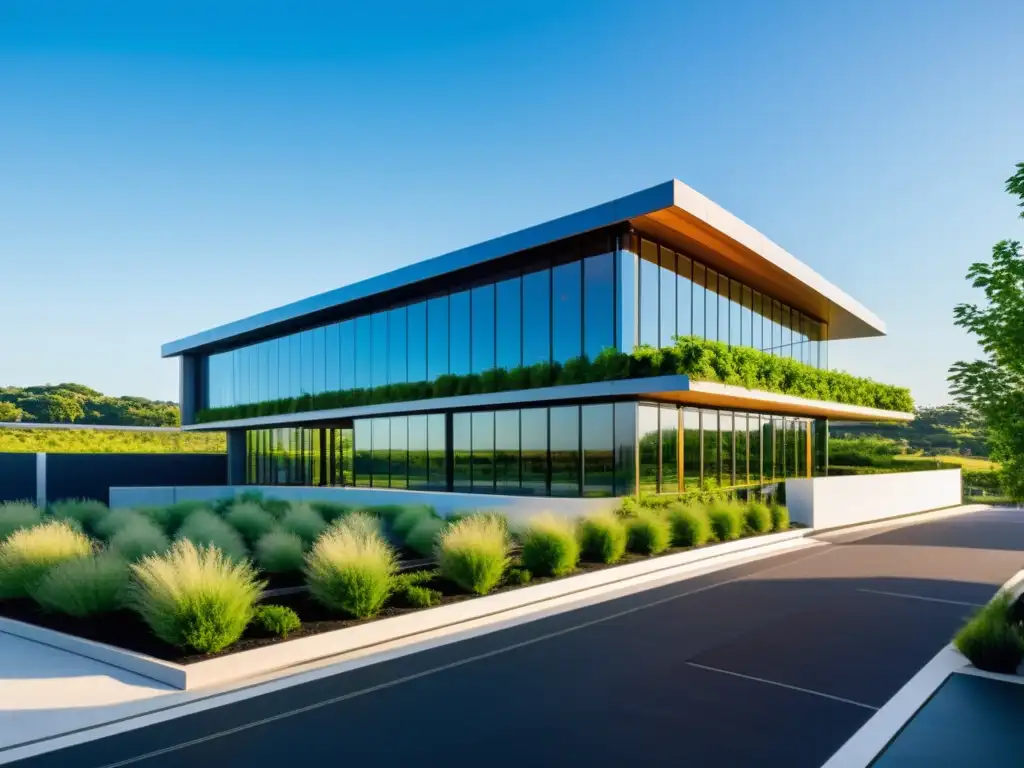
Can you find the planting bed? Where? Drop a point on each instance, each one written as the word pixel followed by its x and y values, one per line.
pixel 125 629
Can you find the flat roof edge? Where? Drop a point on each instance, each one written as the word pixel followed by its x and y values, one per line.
pixel 603 215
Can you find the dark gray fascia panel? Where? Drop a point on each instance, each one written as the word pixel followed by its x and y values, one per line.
pixel 607 214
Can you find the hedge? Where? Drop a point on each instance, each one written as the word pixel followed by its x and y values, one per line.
pixel 699 359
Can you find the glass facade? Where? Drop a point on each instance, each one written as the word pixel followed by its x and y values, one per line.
pixel 553 311
pixel 601 449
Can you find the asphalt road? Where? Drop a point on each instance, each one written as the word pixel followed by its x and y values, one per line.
pixel 771 663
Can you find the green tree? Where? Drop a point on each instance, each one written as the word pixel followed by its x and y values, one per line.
pixel 994 385
pixel 63 409
pixel 10 412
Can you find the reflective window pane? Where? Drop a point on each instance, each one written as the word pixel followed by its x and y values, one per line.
pixel 398 362
pixel 399 451
pixel 295 376
pixel 534 438
pixel 437 337
pixel 598 304
pixel 459 319
pixel 598 450
pixel 669 449
pixel 728 450
pixel 380 470
pixel 691 448
pixel 363 451
pixel 417 343
pixel 712 468
pixel 306 362
pixel 462 452
pixel 667 330
pixel 711 330
pixel 437 450
pixel 347 343
pixel 779 447
pixel 379 345
pixel 741 448
pixel 649 293
pixel 684 296
pixel 506 451
pixel 319 360
pixel 724 307
pixel 758 321
pixel 627 286
pixel 625 449
pixel 333 358
pixel 508 298
pixel 699 328
pixel 482 334
pixel 647 429
pixel 746 322
pixel 274 370
pixel 537 319
pixel 483 452
pixel 735 313
pixel 567 309
pixel 418 467
pixel 565 451
pixel 263 350
pixel 364 352
pixel 754 447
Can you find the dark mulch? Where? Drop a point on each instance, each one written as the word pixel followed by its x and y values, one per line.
pixel 126 630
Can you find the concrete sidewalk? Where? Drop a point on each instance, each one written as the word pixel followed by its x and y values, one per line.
pixel 773 662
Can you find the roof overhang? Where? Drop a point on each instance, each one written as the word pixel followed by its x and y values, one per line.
pixel 670 211
pixel 674 389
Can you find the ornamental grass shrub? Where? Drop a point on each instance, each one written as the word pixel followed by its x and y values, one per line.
pixel 304 521
pixel 330 510
pixel 351 571
pixel 550 546
pixel 195 597
pixel 172 516
pixel 780 518
pixel 648 534
pixel 279 620
pixel 422 597
pixel 602 538
pixel 690 525
pixel 757 518
pixel 251 520
pixel 361 524
pixel 727 520
pixel 84 586
pixel 138 539
pixel 205 528
pixel 82 513
pixel 423 537
pixel 992 640
pixel 27 554
pixel 473 552
pixel 17 515
pixel 116 519
pixel 280 551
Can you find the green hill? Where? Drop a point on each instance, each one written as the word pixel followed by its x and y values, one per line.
pixel 75 403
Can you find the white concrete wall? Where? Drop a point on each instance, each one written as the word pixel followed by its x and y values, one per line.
pixel 830 502
pixel 514 507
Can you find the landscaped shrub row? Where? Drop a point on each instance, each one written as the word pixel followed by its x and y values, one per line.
pixel 200 591
pixel 699 359
pixel 993 640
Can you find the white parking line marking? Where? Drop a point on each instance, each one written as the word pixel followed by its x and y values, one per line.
pixel 783 685
pixel 921 597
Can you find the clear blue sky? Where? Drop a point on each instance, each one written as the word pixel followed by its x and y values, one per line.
pixel 162 173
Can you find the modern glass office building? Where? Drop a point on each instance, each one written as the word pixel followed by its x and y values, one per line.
pixel 642 270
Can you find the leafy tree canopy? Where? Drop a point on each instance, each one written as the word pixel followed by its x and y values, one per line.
pixel 69 402
pixel 994 385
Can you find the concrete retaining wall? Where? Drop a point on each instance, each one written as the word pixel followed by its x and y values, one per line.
pixel 515 507
pixel 831 502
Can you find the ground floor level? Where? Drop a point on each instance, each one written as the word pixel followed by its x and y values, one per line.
pixel 584 450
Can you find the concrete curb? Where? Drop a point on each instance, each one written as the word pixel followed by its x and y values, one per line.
pixel 861 749
pixel 248 664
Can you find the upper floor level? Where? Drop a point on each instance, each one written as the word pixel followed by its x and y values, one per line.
pixel 665 262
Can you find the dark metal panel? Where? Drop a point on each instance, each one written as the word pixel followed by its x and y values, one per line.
pixel 17 476
pixel 91 475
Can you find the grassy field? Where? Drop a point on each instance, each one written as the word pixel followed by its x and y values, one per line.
pixel 95 441
pixel 966 462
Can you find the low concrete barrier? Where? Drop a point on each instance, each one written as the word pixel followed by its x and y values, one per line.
pixel 833 502
pixel 515 507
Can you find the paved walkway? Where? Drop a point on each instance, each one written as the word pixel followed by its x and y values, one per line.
pixel 774 662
